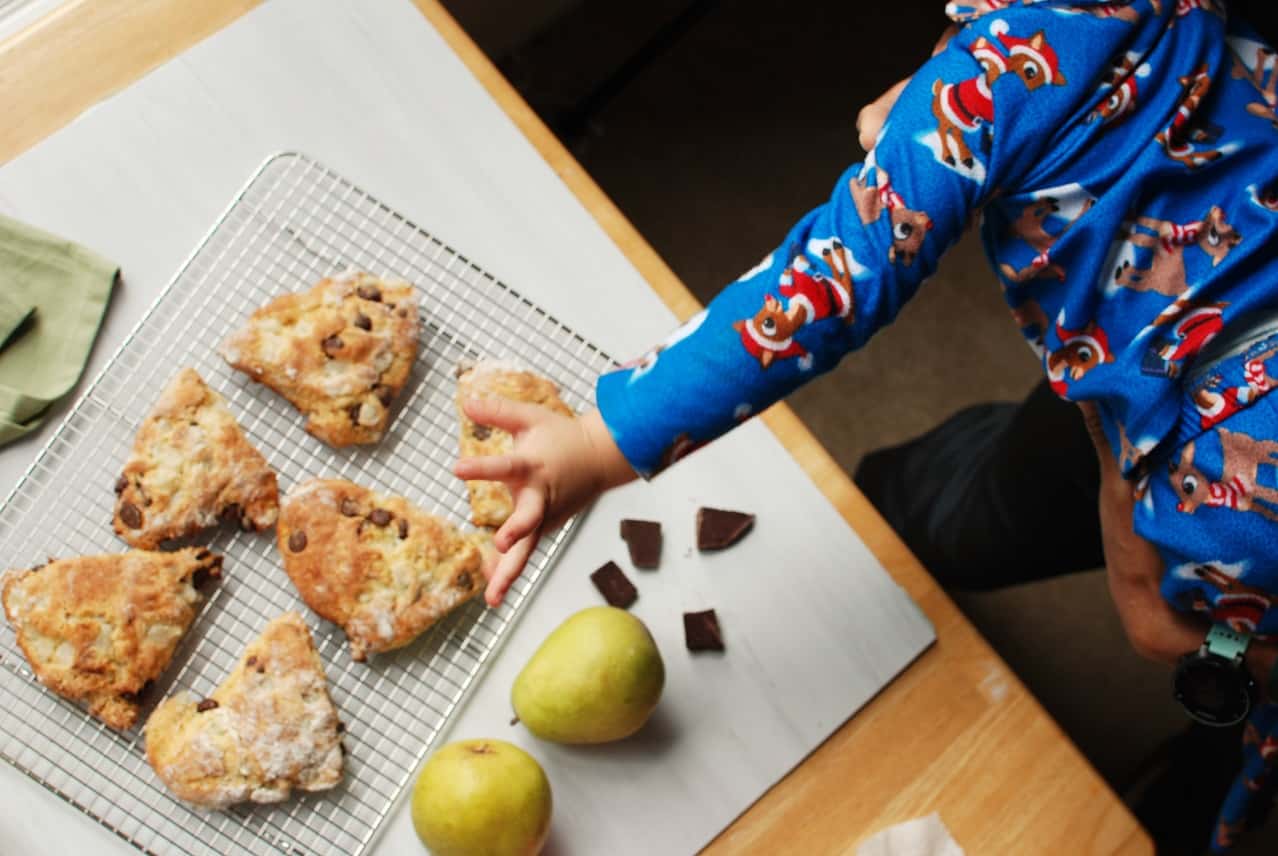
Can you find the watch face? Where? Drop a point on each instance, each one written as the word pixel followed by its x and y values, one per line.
pixel 1213 690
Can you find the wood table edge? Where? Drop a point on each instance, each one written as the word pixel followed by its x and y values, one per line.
pixel 158 30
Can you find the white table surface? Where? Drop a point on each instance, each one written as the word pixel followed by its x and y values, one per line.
pixel 814 627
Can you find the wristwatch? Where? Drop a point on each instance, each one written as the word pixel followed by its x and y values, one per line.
pixel 1212 684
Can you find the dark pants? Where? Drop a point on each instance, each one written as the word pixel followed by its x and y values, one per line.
pixel 1003 494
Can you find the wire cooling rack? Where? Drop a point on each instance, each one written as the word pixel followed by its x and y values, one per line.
pixel 295 222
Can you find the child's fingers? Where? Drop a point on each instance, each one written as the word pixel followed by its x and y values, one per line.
pixel 508 568
pixel 512 416
pixel 530 508
pixel 492 468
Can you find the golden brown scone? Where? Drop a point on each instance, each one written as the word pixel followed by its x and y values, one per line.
pixel 340 353
pixel 490 501
pixel 268 728
pixel 191 465
pixel 374 564
pixel 99 629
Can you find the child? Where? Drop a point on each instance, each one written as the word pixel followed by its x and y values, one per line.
pixel 1119 157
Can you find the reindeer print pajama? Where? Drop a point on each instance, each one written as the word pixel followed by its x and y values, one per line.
pixel 1122 161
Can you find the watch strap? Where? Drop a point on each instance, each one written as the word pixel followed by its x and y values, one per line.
pixel 1224 641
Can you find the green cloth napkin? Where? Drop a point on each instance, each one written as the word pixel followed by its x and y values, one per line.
pixel 53 294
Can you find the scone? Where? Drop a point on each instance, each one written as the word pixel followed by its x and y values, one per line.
pixel 100 629
pixel 268 728
pixel 490 501
pixel 340 353
pixel 374 564
pixel 191 465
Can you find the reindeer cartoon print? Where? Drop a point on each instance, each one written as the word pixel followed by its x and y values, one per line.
pixel 1266 197
pixel 1119 87
pixel 811 296
pixel 1079 353
pixel 1237 604
pixel 1030 317
pixel 908 226
pixel 1237 489
pixel 967 106
pixel 1178 139
pixel 1169 242
pixel 1192 326
pixel 1030 227
pixel 1215 407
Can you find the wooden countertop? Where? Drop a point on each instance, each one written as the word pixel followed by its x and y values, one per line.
pixel 956 733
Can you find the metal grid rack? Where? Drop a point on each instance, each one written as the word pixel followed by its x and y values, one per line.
pixel 294 222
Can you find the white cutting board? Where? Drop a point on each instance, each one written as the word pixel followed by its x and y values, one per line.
pixel 813 626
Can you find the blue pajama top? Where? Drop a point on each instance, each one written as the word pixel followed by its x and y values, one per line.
pixel 1121 160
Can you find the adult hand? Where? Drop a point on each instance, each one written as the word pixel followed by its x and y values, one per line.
pixel 558 465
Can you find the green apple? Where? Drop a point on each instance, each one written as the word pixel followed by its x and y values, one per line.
pixel 596 678
pixel 482 798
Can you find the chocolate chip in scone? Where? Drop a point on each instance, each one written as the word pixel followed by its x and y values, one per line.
pixel 332 345
pixel 349 507
pixel 130 516
pixel 353 412
pixel 297 541
pixel 379 517
pixel 205 705
pixel 614 586
pixel 370 292
pixel 643 537
pixel 251 661
pixel 341 727
pixel 481 432
pixel 701 631
pixel 210 571
pixel 402 524
pixel 232 511
pixel 462 581
pixel 384 393
pixel 363 322
pixel 717 528
pixel 120 484
pixel 140 696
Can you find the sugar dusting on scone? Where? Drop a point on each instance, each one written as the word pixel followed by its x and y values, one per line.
pixel 100 629
pixel 191 465
pixel 268 729
pixel 340 353
pixel 373 563
pixel 491 502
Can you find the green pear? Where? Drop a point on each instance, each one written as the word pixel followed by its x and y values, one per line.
pixel 596 678
pixel 482 798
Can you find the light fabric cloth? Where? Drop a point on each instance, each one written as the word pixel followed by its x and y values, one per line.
pixel 923 836
pixel 53 294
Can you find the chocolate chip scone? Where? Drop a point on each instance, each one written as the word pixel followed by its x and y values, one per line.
pixel 99 629
pixel 490 501
pixel 340 353
pixel 374 564
pixel 268 728
pixel 191 465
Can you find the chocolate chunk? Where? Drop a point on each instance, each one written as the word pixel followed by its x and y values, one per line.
pixel 402 524
pixel 232 511
pixel 140 696
pixel 353 412
pixel 350 507
pixel 643 537
pixel 207 704
pixel 341 727
pixel 332 345
pixel 614 586
pixel 211 571
pixel 701 631
pixel 380 516
pixel 120 484
pixel 251 661
pixel 370 292
pixel 481 432
pixel 130 516
pixel 363 322
pixel 297 541
pixel 717 529
pixel 462 581
pixel 384 393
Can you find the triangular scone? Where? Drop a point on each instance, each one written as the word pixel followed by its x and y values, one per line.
pixel 268 728
pixel 99 629
pixel 191 465
pixel 374 564
pixel 490 501
pixel 340 353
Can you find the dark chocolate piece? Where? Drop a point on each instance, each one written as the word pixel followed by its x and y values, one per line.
pixel 614 585
pixel 643 537
pixel 717 528
pixel 363 322
pixel 206 705
pixel 701 631
pixel 379 516
pixel 297 541
pixel 130 516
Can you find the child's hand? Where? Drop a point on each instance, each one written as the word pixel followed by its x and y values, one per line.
pixel 558 466
pixel 872 116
